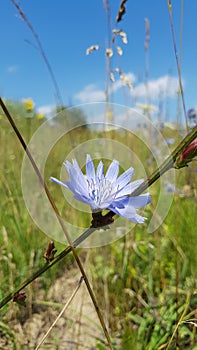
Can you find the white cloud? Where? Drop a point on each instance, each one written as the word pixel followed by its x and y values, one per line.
pixel 90 94
pixel 47 110
pixel 165 86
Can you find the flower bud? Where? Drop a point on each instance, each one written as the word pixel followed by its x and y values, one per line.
pixel 19 298
pixel 50 251
pixel 187 155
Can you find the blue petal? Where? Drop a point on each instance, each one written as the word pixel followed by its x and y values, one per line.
pixel 58 182
pixel 139 219
pixel 100 171
pixel 70 186
pixel 136 184
pixel 76 172
pixel 125 211
pixel 77 179
pixel 129 212
pixel 139 201
pixel 84 199
pixel 124 179
pixel 112 171
pixel 90 171
pixel 69 168
pixel 125 191
pixel 119 204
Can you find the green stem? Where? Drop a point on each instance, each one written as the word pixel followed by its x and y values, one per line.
pixel 47 266
pixel 167 164
pixel 59 218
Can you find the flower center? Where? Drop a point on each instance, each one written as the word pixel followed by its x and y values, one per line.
pixel 100 191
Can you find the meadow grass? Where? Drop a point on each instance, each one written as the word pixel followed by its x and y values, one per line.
pixel 145 283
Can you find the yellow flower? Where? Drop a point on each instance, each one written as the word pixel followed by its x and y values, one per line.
pixel 29 104
pixel 40 116
pixel 109 114
pixel 1 117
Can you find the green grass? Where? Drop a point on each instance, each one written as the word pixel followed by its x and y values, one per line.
pixel 143 282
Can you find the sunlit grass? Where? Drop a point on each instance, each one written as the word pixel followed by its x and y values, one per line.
pixel 143 282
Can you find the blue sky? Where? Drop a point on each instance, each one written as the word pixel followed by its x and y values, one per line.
pixel 67 28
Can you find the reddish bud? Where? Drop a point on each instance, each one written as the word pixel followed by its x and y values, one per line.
pixel 187 154
pixel 50 251
pixel 19 298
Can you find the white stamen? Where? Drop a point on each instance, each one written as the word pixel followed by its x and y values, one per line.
pixel 101 191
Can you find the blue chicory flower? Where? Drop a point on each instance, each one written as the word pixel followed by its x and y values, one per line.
pixel 105 191
pixel 169 141
pixel 192 115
